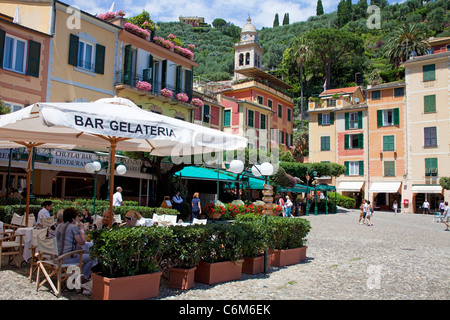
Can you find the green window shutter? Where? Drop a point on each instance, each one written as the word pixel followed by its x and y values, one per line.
pixel 389 168
pixel 73 50
pixel 347 121
pixel 127 65
pixel 251 115
pixel 361 168
pixel 347 168
pixel 99 59
pixel 332 118
pixel 396 116
pixel 429 72
pixel 360 119
pixel 34 58
pixel 178 73
pixel 429 103
pixel 164 74
pixel 263 121
pixel 379 118
pixel 227 118
pixel 2 46
pixel 388 143
pixel 361 141
pixel 346 141
pixel 188 82
pixel 319 119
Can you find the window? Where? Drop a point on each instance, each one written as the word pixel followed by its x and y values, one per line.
pixel 430 137
pixel 429 72
pixel 86 56
pixel 354 168
pixel 429 103
pixel 14 54
pixel 247 58
pixel 241 59
pixel 269 104
pixel 399 92
pixel 353 120
pixel 227 118
pixel 260 100
pixel 280 111
pixel 389 168
pixel 288 114
pixel 325 118
pixel 331 102
pixel 13 106
pixel 251 116
pixel 354 141
pixel 388 117
pixel 263 121
pixel 431 167
pixel 325 143
pixel 376 95
pixel 388 143
pixel 206 114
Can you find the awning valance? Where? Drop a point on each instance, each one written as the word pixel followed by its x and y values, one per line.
pixel 385 186
pixel 298 188
pixel 351 186
pixel 434 188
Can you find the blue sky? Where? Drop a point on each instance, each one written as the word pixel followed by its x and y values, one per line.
pixel 234 11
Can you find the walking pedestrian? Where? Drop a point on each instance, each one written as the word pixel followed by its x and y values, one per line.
pixel 361 213
pixel 196 207
pixel 442 207
pixel 395 207
pixel 446 217
pixel 281 204
pixel 425 206
pixel 288 206
pixel 365 207
pixel 369 214
pixel 117 198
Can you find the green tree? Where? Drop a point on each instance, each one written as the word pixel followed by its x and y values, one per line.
pixel 276 21
pixel 333 48
pixel 344 14
pixel 286 19
pixel 319 8
pixel 219 23
pixel 402 41
pixel 360 10
pixel 445 182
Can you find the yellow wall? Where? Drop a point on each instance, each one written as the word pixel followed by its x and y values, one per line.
pixel 34 15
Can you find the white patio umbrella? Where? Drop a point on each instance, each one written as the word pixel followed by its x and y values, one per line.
pixel 113 123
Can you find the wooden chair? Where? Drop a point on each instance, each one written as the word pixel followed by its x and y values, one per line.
pixel 11 245
pixel 18 221
pixel 55 266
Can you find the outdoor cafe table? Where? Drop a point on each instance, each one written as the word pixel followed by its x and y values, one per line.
pixel 27 241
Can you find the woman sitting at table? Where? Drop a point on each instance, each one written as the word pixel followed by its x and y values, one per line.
pixel 105 221
pixel 87 217
pixel 133 219
pixel 71 237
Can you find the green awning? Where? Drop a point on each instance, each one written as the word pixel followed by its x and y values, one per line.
pixel 325 187
pixel 298 188
pixel 200 173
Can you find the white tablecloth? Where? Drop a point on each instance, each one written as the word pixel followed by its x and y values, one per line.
pixel 27 241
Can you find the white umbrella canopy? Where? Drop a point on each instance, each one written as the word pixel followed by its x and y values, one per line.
pixel 111 123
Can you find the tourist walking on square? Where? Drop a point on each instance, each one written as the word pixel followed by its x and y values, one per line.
pixel 425 206
pixel 361 213
pixel 288 206
pixel 365 208
pixel 446 217
pixel 196 206
pixel 117 198
pixel 395 207
pixel 281 204
pixel 369 214
pixel 442 207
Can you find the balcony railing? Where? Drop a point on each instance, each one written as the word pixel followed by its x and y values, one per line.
pixel 132 79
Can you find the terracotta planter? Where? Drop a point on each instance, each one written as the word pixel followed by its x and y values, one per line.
pixel 214 215
pixel 181 278
pixel 140 287
pixel 255 265
pixel 281 258
pixel 211 273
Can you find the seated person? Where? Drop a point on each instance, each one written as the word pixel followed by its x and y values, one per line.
pixel 134 219
pixel 105 221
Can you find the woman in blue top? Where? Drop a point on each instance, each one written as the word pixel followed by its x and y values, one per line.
pixel 196 207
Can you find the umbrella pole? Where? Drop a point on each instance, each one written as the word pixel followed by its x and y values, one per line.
pixel 30 156
pixel 111 178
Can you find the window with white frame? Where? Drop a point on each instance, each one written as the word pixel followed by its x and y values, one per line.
pixel 353 169
pixel 15 53
pixel 86 55
pixel 13 106
pixel 325 118
pixel 353 120
pixel 388 117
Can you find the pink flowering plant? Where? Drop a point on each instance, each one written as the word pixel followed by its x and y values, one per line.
pixel 166 93
pixel 159 40
pixel 107 16
pixel 182 97
pixel 197 102
pixel 171 36
pixel 190 47
pixel 168 45
pixel 120 13
pixel 144 85
pixel 136 30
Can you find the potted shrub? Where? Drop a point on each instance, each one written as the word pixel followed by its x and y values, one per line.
pixel 287 240
pixel 182 97
pixel 255 242
pixel 144 86
pixel 127 262
pixel 183 254
pixel 166 93
pixel 221 258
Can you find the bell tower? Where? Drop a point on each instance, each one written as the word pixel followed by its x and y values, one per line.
pixel 248 53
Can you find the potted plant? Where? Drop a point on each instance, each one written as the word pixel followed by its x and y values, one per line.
pixel 197 102
pixel 166 93
pixel 182 97
pixel 144 86
pixel 221 258
pixel 183 254
pixel 255 231
pixel 127 262
pixel 287 240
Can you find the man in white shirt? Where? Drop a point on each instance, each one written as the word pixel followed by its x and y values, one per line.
pixel 425 206
pixel 117 197
pixel 446 217
pixel 47 206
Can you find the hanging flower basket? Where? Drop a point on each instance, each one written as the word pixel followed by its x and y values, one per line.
pixel 144 85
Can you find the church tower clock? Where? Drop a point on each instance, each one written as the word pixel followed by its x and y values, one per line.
pixel 248 53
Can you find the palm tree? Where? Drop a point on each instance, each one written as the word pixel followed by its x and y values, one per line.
pixel 300 53
pixel 404 40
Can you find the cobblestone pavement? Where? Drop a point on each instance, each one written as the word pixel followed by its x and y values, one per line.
pixel 403 256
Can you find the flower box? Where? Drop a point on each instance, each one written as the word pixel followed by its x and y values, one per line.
pixel 166 93
pixel 212 273
pixel 181 278
pixel 255 265
pixel 182 97
pixel 140 287
pixel 144 85
pixel 281 258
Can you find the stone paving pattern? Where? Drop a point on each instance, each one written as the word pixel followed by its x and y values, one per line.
pixel 403 256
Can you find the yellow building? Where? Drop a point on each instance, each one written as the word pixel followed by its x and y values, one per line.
pixel 428 130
